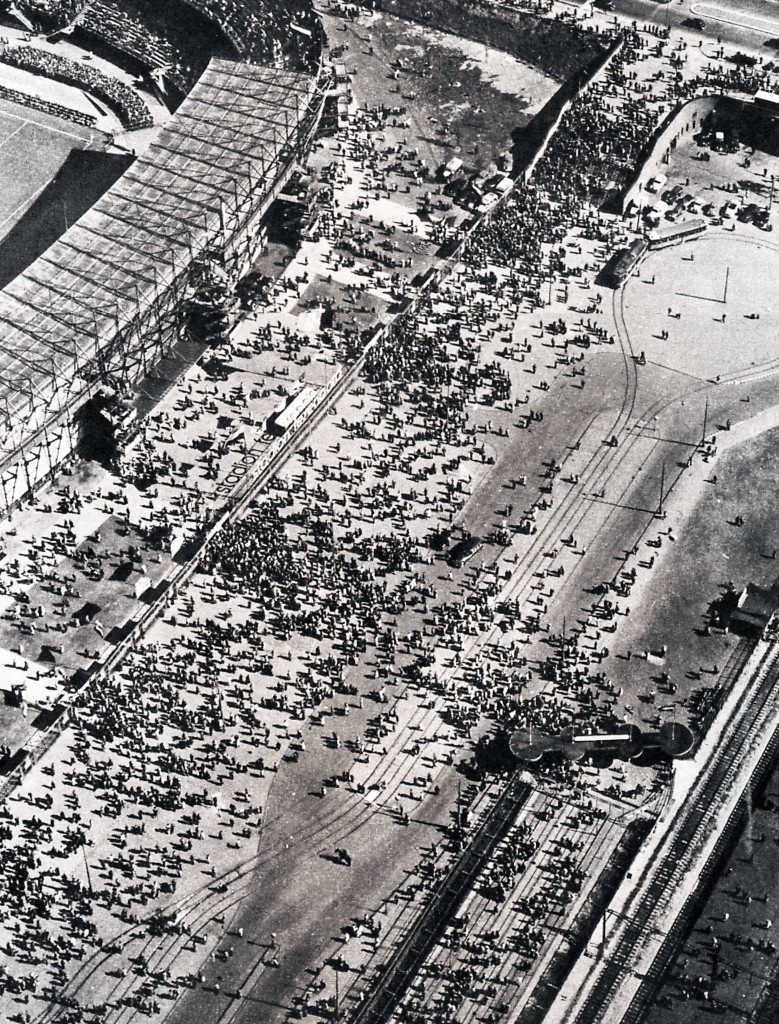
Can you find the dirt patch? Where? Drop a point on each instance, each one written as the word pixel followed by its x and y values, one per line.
pixel 558 49
pixel 467 99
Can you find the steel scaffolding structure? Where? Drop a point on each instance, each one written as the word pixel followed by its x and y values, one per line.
pixel 103 304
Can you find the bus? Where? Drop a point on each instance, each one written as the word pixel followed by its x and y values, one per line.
pixel 670 234
pixel 463 551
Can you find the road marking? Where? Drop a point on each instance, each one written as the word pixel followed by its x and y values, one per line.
pixel 731 16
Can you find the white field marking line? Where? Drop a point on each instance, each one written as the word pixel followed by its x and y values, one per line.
pixel 46 127
pixel 31 199
pixel 26 203
pixel 13 133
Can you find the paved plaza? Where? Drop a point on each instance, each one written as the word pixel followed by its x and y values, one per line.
pixel 255 706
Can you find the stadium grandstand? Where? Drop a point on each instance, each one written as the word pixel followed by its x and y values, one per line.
pixel 175 39
pixel 105 302
pixel 126 102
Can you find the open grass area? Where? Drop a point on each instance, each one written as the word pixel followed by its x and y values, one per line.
pixel 715 289
pixel 461 98
pixel 33 149
pixel 457 82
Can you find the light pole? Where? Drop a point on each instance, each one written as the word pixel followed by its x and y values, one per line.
pixel 86 865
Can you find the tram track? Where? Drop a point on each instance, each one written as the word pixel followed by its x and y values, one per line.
pixel 569 512
pixel 626 408
pixel 430 924
pixel 676 858
pixel 532 880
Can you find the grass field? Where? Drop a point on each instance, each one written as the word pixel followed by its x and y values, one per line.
pixel 51 172
pixel 713 328
pixel 33 147
pixel 462 99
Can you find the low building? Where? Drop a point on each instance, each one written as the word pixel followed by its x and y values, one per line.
pixel 754 609
pixel 767 101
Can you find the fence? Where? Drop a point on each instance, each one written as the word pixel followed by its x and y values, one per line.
pixel 538 134
pixel 679 121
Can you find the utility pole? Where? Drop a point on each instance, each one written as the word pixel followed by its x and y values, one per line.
pixel 460 828
pixel 660 513
pixel 748 842
pixel 86 865
pixel 638 206
pixel 705 419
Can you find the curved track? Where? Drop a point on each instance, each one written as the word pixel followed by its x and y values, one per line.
pixel 199 909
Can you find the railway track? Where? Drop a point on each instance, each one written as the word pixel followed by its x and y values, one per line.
pixel 398 973
pixel 200 910
pixel 681 855
pixel 569 514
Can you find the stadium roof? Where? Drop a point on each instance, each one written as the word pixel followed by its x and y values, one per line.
pixel 222 143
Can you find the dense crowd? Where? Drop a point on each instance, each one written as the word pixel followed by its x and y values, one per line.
pixel 159 36
pixel 25 99
pixel 288 32
pixel 130 107
pixel 342 601
pixel 180 36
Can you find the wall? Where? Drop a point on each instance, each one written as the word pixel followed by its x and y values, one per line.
pixel 676 124
pixel 534 138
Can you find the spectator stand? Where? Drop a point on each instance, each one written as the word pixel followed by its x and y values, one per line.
pixel 105 302
pixel 124 101
pixel 25 99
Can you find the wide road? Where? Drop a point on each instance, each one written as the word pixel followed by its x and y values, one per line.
pixel 740 23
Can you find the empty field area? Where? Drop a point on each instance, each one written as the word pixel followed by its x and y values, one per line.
pixel 33 147
pixel 51 172
pixel 459 98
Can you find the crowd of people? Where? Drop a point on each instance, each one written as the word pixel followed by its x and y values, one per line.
pixel 128 104
pixel 163 36
pixel 25 99
pixel 287 33
pixel 328 602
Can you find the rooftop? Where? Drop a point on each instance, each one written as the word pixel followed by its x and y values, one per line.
pixel 227 135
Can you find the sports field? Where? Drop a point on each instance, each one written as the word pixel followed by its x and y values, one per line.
pixel 714 299
pixel 51 172
pixel 33 147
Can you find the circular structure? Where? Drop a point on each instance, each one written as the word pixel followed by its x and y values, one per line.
pixel 530 745
pixel 676 740
pixel 714 297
